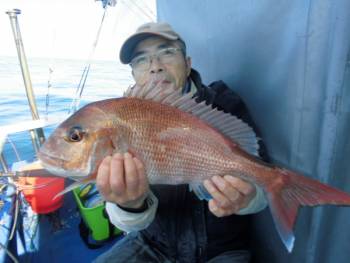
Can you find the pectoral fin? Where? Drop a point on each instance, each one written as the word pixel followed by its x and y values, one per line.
pixel 76 185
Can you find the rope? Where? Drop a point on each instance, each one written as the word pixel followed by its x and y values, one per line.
pixel 149 10
pixel 142 11
pixel 15 219
pixel 8 252
pixel 14 148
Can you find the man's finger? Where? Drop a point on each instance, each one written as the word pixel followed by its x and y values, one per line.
pixel 102 178
pixel 140 172
pixel 116 177
pixel 220 199
pixel 217 210
pixel 131 174
pixel 240 185
pixel 227 189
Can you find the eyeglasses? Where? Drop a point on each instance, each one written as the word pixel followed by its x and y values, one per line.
pixel 143 62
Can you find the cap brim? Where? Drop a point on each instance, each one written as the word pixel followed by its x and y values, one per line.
pixel 129 45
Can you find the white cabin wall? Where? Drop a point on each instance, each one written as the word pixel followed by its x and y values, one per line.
pixel 290 62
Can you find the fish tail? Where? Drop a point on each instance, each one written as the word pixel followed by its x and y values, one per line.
pixel 289 191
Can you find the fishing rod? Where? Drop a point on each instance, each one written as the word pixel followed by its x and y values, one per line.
pixel 31 173
pixel 80 88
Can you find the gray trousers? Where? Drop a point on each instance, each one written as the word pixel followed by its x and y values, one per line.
pixel 133 249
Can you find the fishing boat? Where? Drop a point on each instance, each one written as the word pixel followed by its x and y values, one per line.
pixel 290 62
pixel 36 226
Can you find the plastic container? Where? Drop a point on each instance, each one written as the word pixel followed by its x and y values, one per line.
pixel 95 219
pixel 40 192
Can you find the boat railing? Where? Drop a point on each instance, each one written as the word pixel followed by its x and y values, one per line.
pixel 29 126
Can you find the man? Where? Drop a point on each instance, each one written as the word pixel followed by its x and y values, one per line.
pixel 169 223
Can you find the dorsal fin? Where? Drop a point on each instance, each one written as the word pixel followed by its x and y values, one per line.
pixel 227 124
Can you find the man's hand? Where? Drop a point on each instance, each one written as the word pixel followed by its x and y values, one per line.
pixel 230 194
pixel 122 180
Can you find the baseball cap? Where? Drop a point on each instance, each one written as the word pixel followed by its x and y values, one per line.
pixel 146 30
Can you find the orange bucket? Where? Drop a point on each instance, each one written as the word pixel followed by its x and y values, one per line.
pixel 39 193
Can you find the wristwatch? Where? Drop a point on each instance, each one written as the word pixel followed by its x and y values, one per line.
pixel 146 204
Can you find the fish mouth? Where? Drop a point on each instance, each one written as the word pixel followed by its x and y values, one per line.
pixel 46 158
pixel 55 165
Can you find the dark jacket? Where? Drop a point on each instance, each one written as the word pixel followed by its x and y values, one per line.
pixel 184 229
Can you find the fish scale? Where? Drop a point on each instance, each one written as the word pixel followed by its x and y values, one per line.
pixel 154 120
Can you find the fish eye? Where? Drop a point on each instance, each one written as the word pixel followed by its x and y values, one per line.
pixel 75 134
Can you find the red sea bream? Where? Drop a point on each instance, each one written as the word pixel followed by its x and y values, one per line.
pixel 180 142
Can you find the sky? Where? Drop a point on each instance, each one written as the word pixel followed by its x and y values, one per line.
pixel 68 28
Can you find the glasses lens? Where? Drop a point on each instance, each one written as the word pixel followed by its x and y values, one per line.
pixel 140 62
pixel 167 55
pixel 143 62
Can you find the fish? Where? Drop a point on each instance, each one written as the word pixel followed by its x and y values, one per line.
pixel 180 141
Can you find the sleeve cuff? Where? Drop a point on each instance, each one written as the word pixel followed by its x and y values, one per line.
pixel 130 221
pixel 257 204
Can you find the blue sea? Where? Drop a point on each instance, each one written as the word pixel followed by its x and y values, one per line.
pixel 54 83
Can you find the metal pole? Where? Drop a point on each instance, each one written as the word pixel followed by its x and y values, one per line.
pixel 3 163
pixel 38 136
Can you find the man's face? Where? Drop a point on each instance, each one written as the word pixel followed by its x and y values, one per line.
pixel 170 71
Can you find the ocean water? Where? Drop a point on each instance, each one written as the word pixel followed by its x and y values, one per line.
pixel 54 83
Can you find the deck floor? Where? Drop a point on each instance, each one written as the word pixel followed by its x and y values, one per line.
pixel 58 238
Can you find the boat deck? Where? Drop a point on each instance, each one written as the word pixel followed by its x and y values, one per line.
pixel 57 238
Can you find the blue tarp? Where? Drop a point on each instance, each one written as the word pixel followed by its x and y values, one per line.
pixel 290 62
